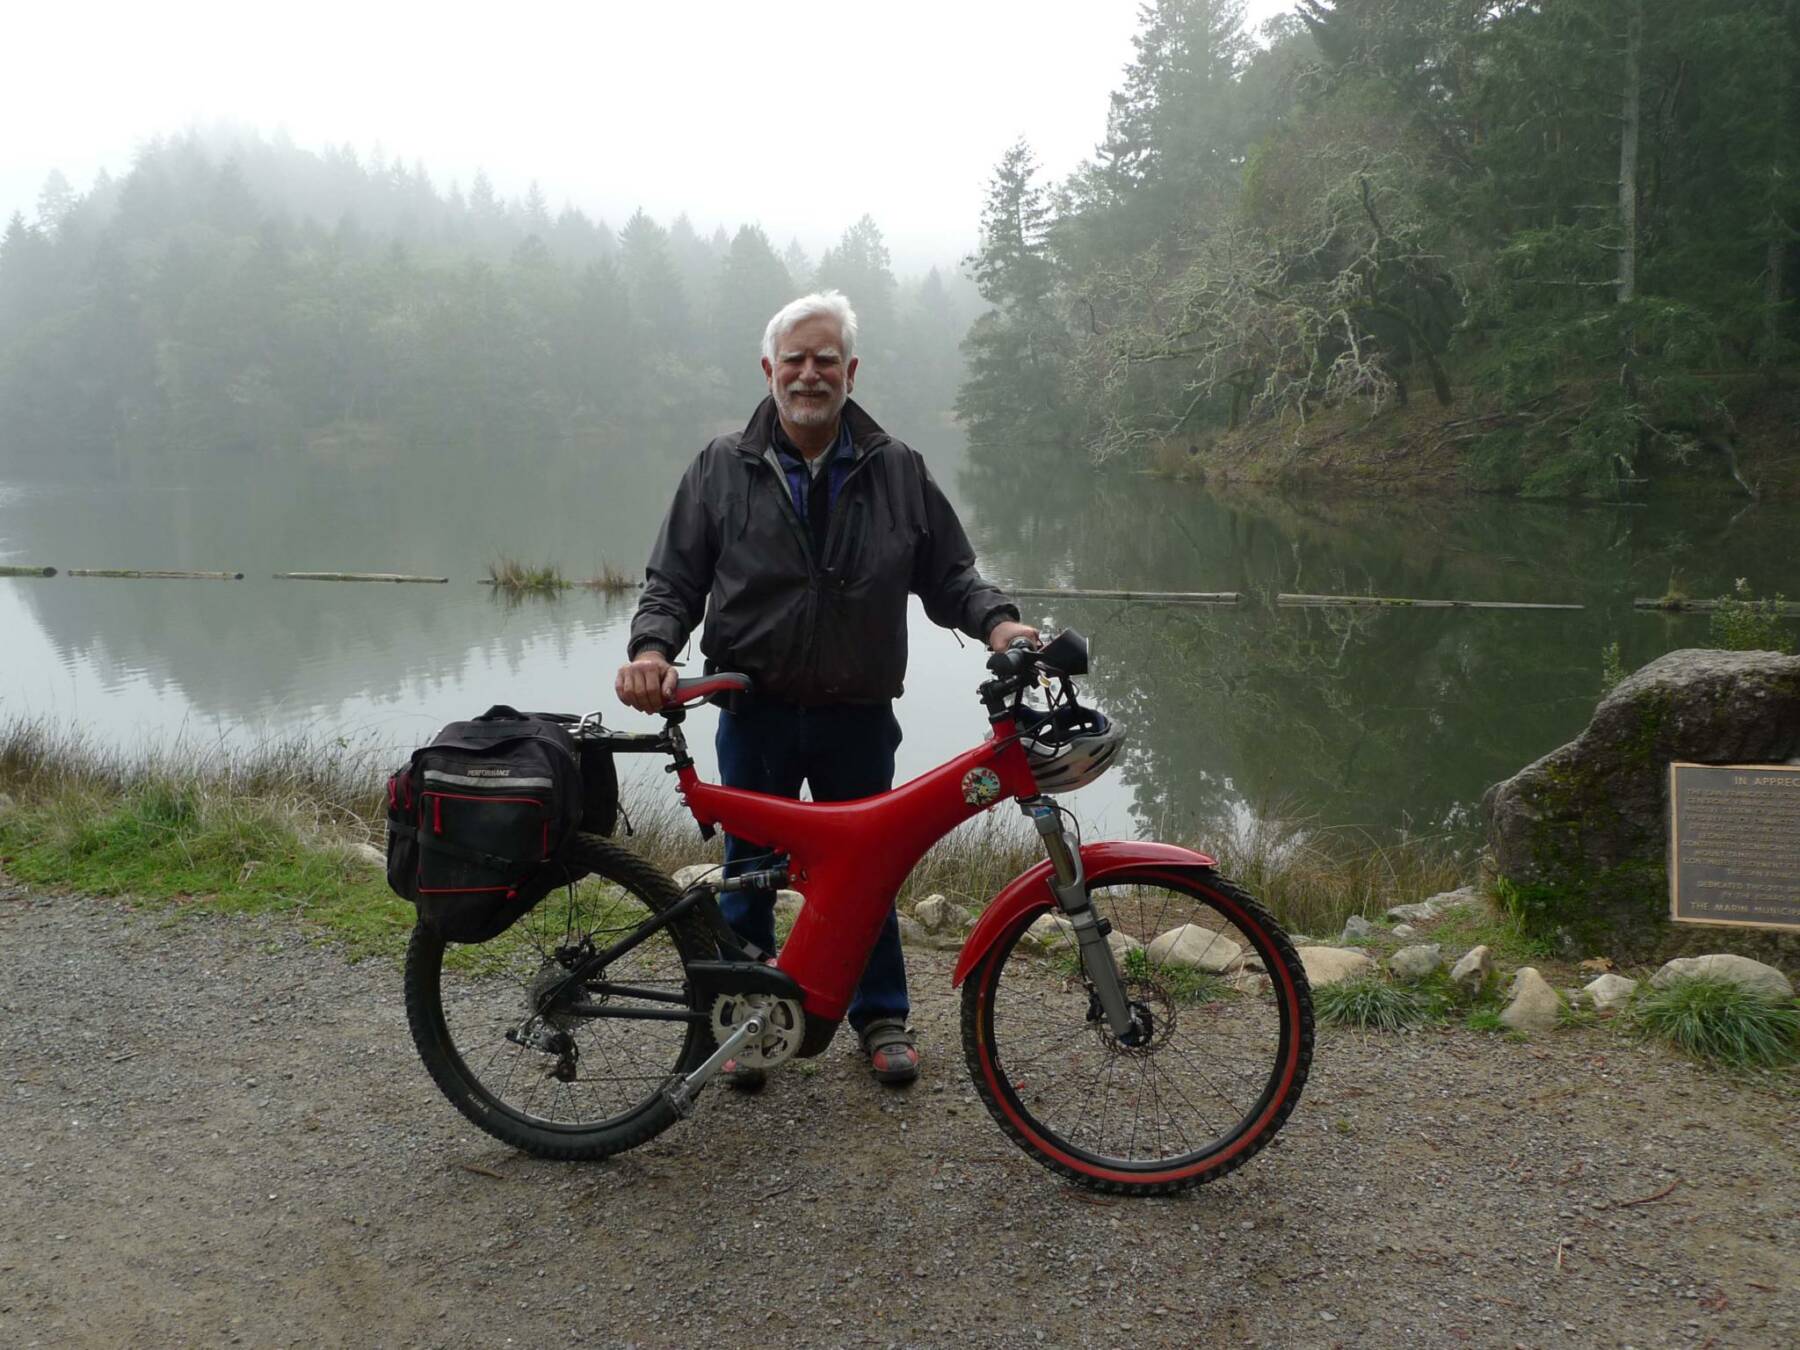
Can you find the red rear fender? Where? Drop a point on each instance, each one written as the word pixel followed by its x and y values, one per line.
pixel 1029 890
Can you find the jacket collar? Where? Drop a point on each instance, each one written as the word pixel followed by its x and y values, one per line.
pixel 758 438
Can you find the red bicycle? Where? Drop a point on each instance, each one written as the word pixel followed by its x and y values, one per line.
pixel 1133 1020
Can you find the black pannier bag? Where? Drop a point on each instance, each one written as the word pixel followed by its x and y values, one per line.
pixel 480 820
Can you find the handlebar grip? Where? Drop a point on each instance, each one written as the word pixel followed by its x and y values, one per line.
pixel 1018 658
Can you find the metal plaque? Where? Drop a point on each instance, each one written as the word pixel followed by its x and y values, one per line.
pixel 1734 844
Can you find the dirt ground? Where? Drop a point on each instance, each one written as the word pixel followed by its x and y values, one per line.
pixel 216 1131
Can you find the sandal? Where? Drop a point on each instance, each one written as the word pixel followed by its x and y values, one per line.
pixel 888 1042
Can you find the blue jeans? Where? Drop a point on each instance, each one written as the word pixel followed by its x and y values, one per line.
pixel 842 752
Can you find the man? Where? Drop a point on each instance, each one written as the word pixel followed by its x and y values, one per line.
pixel 800 538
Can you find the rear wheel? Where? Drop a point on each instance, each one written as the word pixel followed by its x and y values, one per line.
pixel 514 1046
pixel 1218 1056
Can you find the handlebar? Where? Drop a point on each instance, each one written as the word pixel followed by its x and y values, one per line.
pixel 1018 658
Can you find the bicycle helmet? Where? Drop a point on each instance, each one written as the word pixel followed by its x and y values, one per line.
pixel 1069 746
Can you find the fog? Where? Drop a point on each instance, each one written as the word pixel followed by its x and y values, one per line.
pixel 799 119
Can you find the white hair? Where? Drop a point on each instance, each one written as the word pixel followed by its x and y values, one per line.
pixel 820 304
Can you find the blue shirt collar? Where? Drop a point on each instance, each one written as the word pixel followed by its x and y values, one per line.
pixel 843 449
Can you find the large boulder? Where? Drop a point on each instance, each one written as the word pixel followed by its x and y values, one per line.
pixel 1579 837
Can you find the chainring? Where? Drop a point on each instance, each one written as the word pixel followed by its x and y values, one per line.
pixel 784 1026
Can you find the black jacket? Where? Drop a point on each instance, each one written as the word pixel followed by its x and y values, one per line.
pixel 810 630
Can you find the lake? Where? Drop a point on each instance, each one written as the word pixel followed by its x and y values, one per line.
pixel 1377 719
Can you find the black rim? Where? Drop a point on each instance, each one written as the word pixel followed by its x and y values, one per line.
pixel 564 1073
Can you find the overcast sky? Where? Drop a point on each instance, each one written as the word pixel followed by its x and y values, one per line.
pixel 801 118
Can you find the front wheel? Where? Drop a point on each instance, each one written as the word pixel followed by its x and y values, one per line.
pixel 518 1048
pixel 1221 1042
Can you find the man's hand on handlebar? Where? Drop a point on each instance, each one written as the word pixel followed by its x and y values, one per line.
pixel 1007 632
pixel 647 682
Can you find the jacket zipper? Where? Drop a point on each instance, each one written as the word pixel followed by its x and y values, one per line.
pixel 814 566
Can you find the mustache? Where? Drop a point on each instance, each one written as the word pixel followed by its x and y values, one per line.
pixel 801 387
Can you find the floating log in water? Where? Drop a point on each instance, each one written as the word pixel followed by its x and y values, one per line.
pixel 135 574
pixel 11 571
pixel 1147 597
pixel 1286 600
pixel 1786 608
pixel 1401 602
pixel 358 576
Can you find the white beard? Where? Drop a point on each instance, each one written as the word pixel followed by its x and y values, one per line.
pixel 808 414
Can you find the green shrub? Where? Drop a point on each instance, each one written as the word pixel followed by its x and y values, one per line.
pixel 1742 623
pixel 1719 1020
pixel 1370 1001
pixel 1612 668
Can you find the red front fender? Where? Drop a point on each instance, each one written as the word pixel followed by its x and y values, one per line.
pixel 1030 889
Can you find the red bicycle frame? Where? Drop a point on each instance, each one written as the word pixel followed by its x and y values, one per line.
pixel 849 859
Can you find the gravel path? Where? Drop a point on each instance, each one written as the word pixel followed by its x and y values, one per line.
pixel 215 1131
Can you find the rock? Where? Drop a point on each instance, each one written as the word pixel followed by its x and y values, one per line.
pixel 1357 928
pixel 938 915
pixel 1579 836
pixel 1423 911
pixel 911 934
pixel 1405 930
pixel 1470 974
pixel 364 853
pixel 687 876
pixel 1122 942
pixel 1533 1004
pixel 1415 963
pixel 788 905
pixel 1249 982
pixel 1754 976
pixel 1328 965
pixel 1609 992
pixel 1051 930
pixel 1194 947
pixel 8 804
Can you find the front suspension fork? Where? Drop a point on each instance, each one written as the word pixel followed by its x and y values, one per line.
pixel 1069 886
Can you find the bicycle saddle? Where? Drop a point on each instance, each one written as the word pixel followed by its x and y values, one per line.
pixel 707 686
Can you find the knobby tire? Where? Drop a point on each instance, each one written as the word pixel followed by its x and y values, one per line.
pixel 460 1008
pixel 1210 1096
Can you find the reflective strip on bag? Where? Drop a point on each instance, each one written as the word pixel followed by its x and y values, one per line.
pixel 486 780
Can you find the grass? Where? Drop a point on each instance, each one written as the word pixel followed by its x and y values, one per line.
pixel 1491 927
pixel 1314 878
pixel 510 577
pixel 610 580
pixel 1374 1002
pixel 1183 984
pixel 1720 1021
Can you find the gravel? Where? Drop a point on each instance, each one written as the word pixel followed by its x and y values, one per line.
pixel 215 1131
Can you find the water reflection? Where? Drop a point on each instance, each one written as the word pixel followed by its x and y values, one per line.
pixel 1378 718
pixel 1372 718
